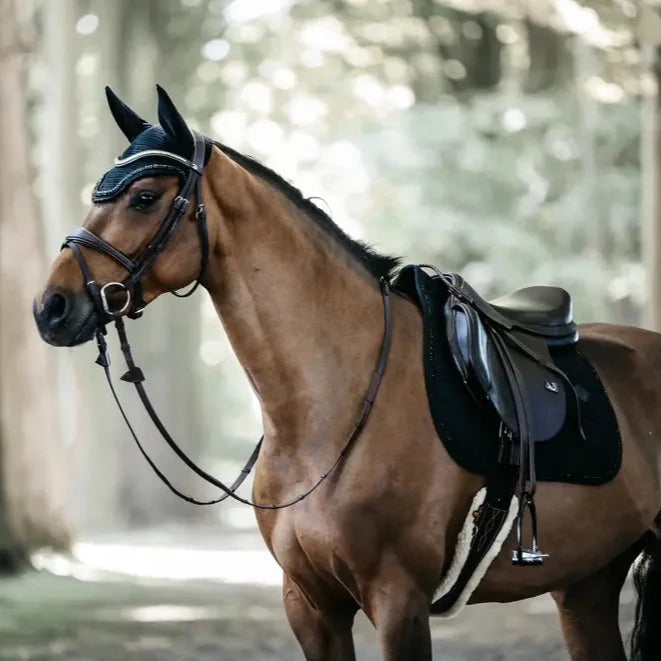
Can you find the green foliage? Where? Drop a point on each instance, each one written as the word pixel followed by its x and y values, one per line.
pixel 384 110
pixel 496 188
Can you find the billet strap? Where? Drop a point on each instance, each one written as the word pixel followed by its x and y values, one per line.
pixel 135 376
pixel 527 475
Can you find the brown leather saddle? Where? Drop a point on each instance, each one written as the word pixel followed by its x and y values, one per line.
pixel 501 350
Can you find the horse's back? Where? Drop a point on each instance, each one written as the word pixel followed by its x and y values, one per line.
pixel 620 343
pixel 628 361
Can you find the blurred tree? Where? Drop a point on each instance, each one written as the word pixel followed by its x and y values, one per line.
pixel 33 461
pixel 409 119
pixel 135 52
pixel 129 46
pixel 649 33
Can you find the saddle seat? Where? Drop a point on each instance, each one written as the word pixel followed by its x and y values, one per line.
pixel 542 311
pixel 544 308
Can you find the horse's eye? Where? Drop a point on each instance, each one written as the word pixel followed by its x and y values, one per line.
pixel 143 199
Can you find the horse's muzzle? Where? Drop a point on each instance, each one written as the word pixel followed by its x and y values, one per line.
pixel 65 318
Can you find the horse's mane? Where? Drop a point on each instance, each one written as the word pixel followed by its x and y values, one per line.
pixel 377 264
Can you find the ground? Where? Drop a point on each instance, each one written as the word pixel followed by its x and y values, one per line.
pixel 48 617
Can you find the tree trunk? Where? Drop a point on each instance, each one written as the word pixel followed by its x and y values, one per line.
pixel 650 156
pixel 166 339
pixel 32 457
pixel 550 59
pixel 586 67
pixel 169 333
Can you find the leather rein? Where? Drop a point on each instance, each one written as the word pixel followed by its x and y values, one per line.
pixel 134 305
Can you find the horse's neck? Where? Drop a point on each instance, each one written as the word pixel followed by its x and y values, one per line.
pixel 304 321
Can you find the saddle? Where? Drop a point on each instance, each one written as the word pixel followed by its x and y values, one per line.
pixel 501 350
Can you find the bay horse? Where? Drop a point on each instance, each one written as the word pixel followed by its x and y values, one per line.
pixel 302 307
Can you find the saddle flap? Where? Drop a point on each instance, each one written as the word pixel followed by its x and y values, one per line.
pixel 477 360
pixel 543 391
pixel 480 357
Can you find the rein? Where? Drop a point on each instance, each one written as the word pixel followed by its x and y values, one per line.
pixel 134 305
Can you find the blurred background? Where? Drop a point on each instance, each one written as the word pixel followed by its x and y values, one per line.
pixel 514 141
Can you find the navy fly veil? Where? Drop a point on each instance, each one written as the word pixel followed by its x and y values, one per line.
pixel 127 170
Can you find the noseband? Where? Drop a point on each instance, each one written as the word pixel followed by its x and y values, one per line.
pixel 134 305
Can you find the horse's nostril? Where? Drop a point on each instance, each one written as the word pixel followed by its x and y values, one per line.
pixel 56 307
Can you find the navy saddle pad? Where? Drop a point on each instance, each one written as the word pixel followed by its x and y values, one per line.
pixel 471 436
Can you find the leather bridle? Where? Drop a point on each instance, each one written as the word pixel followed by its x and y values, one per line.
pixel 136 268
pixel 134 305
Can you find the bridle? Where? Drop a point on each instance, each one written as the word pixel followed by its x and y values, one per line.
pixel 133 307
pixel 136 268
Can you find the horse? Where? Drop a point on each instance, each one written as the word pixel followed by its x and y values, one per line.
pixel 302 305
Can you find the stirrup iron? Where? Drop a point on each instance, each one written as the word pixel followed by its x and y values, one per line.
pixel 533 556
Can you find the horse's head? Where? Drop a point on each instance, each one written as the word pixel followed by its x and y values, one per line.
pixel 140 233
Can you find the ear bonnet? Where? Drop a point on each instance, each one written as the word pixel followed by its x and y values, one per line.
pixel 153 150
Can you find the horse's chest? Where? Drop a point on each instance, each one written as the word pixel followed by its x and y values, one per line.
pixel 308 543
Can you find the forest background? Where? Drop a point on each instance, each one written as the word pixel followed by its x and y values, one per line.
pixel 514 141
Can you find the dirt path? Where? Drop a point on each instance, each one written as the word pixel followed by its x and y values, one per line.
pixel 45 617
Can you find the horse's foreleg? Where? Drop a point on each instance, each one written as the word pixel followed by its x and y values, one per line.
pixel 323 634
pixel 400 613
pixel 589 612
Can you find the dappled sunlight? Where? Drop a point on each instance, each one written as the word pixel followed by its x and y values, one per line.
pixel 92 561
pixel 166 613
pixel 183 613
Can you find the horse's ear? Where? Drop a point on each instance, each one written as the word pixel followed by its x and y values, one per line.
pixel 172 121
pixel 130 123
